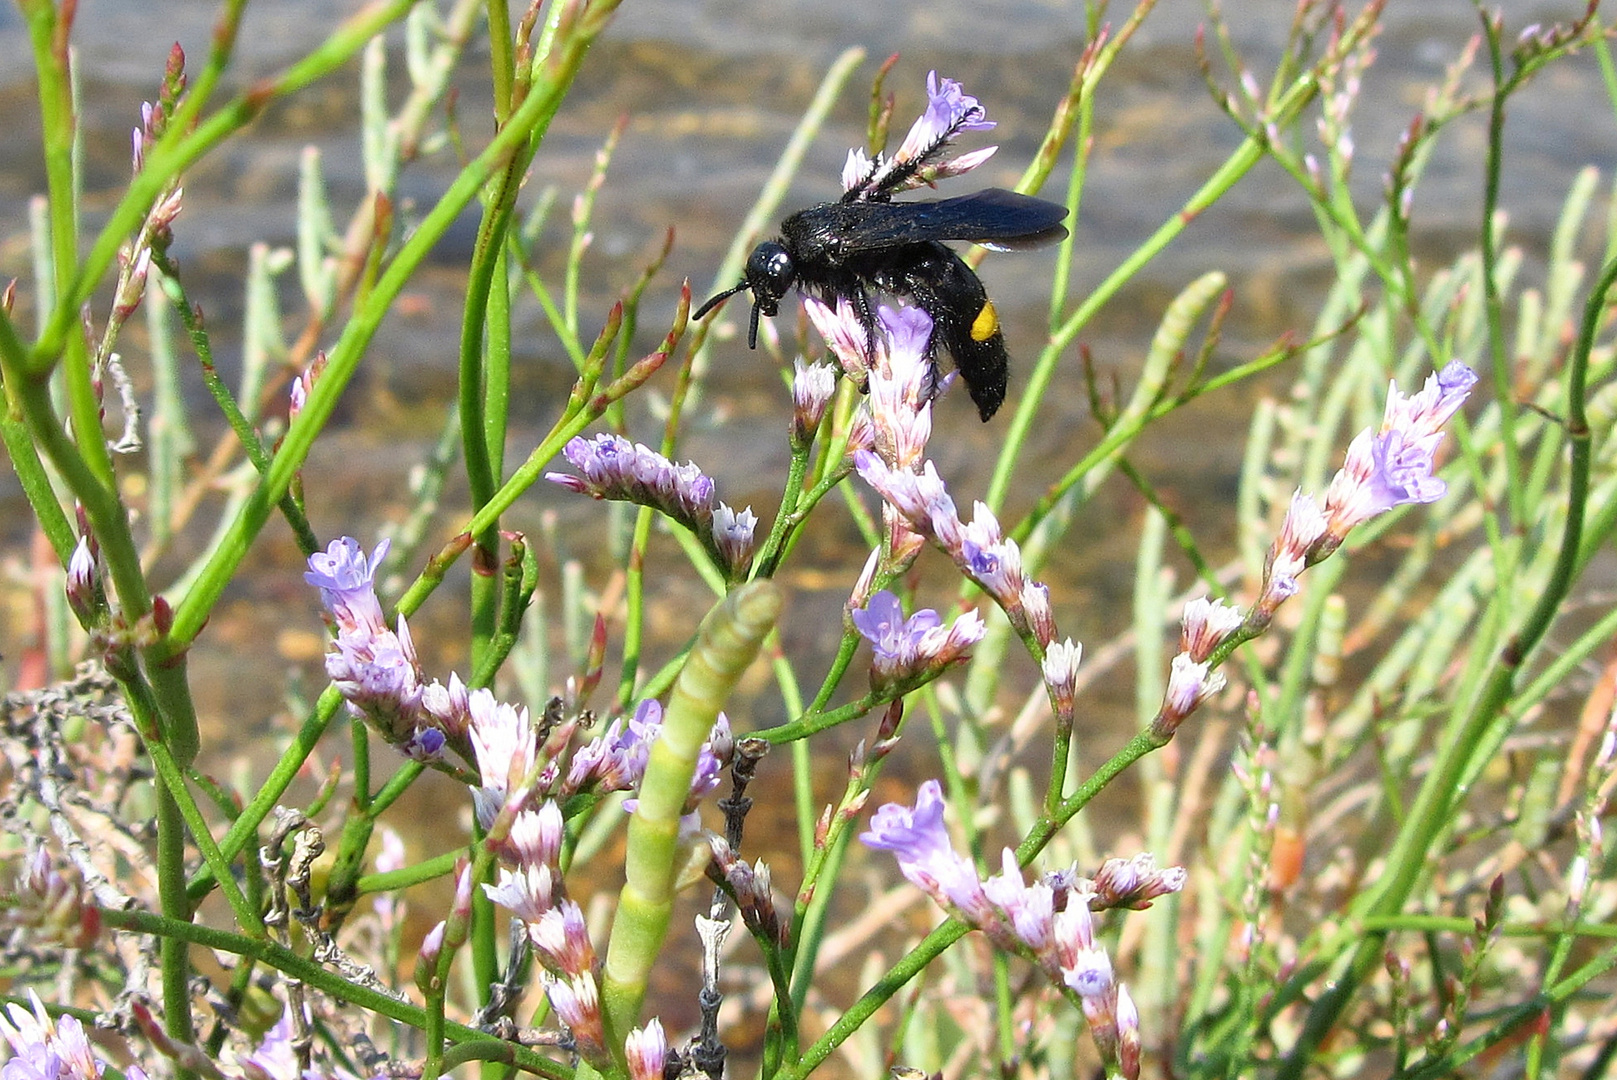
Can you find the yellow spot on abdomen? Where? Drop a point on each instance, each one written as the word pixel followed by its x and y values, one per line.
pixel 986 324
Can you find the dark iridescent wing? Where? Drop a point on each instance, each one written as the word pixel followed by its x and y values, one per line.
pixel 993 217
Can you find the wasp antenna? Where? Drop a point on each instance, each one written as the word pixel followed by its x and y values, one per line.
pixel 715 301
pixel 752 327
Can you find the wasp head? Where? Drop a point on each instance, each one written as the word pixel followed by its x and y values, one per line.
pixel 769 274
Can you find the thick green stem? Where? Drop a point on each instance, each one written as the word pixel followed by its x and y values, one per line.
pixel 726 645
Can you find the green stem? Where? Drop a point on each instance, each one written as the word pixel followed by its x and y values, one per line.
pixel 726 645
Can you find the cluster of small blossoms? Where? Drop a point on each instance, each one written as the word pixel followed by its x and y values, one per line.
pixel 1385 467
pixel 523 775
pixel 614 468
pixel 917 506
pixel 47 1049
pixel 529 840
pixel 157 231
pixel 375 668
pixel 922 158
pixel 1049 921
pixel 908 652
pixel 893 365
pixel 754 895
pixel 979 548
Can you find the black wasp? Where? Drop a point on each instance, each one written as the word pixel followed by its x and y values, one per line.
pixel 865 241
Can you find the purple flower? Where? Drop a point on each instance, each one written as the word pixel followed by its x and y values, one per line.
pixel 46 1049
pixel 910 648
pixel 506 749
pixel 376 672
pixel 923 156
pixel 346 580
pixel 883 624
pixel 902 385
pixel 919 841
pixel 646 1051
pixel 614 468
pixel 426 745
pixel 1393 465
pixel 733 537
pixel 812 387
pixel 527 892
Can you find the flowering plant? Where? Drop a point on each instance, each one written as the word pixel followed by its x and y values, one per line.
pixel 487 855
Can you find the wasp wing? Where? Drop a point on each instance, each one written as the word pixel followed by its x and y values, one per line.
pixel 993 217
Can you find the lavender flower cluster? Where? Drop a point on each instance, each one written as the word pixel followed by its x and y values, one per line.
pixel 1049 921
pixel 523 778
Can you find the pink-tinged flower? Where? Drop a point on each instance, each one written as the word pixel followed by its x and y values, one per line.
pixel 1133 883
pixel 1300 532
pixel 860 595
pixel 616 759
pixel 504 743
pixel 920 497
pixel 845 335
pixel 1393 465
pixel 922 158
pixel 432 948
pixel 536 836
pixel 812 387
pixel 577 1002
pixel 614 468
pixel 1128 1034
pixel 1205 625
pixel 646 1051
pixel 46 1049
pixel 527 892
pixel 562 940
pixel 1189 684
pixel 347 584
pixel 1061 675
pixel 919 841
pixel 733 537
pixel 1030 909
pixel 1037 612
pixel 903 381
pixel 84 579
pixel 449 707
pixel 906 649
